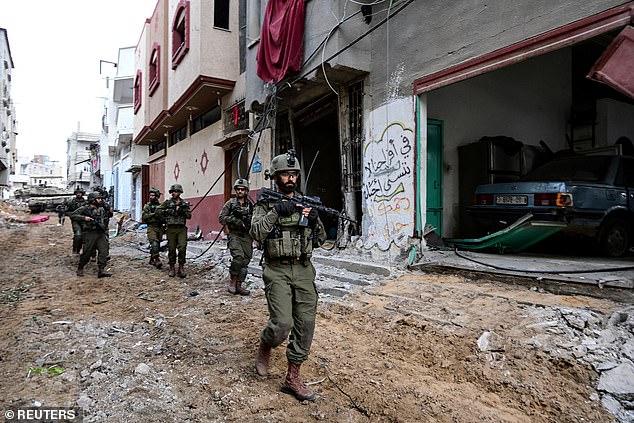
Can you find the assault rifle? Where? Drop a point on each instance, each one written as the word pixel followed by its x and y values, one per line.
pixel 303 201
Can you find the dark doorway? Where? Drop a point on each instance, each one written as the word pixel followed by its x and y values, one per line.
pixel 317 130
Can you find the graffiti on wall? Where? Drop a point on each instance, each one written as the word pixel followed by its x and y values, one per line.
pixel 388 186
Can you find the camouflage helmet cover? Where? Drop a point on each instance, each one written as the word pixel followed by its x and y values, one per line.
pixel 80 190
pixel 176 188
pixel 241 182
pixel 155 191
pixel 93 196
pixel 284 162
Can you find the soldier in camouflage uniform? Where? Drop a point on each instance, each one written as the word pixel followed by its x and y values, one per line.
pixel 288 274
pixel 176 212
pixel 155 224
pixel 236 217
pixel 94 220
pixel 69 207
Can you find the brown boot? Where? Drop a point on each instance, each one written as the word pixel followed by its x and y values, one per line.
pixel 262 359
pixel 152 260
pixel 240 290
pixel 293 384
pixel 231 284
pixel 80 270
pixel 172 271
pixel 157 262
pixel 101 273
pixel 181 271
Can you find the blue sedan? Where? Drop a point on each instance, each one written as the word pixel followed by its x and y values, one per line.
pixel 593 195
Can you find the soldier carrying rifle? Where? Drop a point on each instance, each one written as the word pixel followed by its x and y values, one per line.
pixel 176 212
pixel 288 231
pixel 236 218
pixel 94 219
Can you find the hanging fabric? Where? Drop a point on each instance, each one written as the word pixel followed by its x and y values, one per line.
pixel 281 48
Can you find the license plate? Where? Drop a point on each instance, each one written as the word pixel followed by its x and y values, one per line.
pixel 515 200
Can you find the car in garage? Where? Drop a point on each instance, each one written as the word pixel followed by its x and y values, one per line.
pixel 592 194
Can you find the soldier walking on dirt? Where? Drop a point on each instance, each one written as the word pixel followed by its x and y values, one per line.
pixel 61 214
pixel 176 212
pixel 155 226
pixel 288 274
pixel 94 219
pixel 70 206
pixel 236 217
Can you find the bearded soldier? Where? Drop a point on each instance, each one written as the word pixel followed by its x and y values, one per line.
pixel 288 274
pixel 236 218
pixel 69 207
pixel 176 212
pixel 155 224
pixel 94 220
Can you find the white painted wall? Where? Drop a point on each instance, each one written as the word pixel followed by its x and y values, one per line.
pixel 614 119
pixel 388 175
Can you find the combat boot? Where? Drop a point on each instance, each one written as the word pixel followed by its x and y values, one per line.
pixel 293 384
pixel 157 262
pixel 231 284
pixel 181 271
pixel 240 290
pixel 152 261
pixel 101 272
pixel 172 271
pixel 262 359
pixel 80 270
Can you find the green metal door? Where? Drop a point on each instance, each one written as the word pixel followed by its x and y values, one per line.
pixel 434 174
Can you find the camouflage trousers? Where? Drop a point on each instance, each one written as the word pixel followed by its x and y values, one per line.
pixel 291 296
pixel 241 249
pixel 154 237
pixel 176 241
pixel 95 241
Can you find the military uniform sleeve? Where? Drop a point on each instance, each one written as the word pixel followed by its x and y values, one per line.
pixel 147 213
pixel 262 222
pixel 78 215
pixel 187 212
pixel 224 216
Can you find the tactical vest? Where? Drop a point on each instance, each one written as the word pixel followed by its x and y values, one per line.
pixel 150 216
pixel 173 217
pixel 74 204
pixel 100 219
pixel 289 240
pixel 241 212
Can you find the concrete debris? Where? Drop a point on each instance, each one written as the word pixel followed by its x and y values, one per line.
pixel 619 381
pixel 142 369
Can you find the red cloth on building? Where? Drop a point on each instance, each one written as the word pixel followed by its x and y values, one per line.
pixel 281 48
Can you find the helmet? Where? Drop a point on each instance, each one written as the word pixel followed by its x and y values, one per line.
pixel 241 182
pixel 94 195
pixel 176 187
pixel 80 190
pixel 155 191
pixel 284 162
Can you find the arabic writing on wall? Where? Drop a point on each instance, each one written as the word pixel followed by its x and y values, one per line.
pixel 388 188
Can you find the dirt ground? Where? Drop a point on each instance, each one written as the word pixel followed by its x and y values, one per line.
pixel 143 347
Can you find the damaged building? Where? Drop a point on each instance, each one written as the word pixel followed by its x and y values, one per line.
pixel 396 109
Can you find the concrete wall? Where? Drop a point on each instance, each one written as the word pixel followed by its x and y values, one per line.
pixel 157 33
pixel 388 175
pixel 429 36
pixel 140 60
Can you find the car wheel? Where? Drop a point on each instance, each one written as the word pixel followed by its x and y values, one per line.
pixel 614 238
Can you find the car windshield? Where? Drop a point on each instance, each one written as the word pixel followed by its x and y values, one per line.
pixel 586 169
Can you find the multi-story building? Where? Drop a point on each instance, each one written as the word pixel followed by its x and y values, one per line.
pixel 122 159
pixel 8 123
pixel 380 100
pixel 83 165
pixel 40 171
pixel 189 102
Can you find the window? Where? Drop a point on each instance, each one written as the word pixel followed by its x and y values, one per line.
pixel 155 148
pixel 180 33
pixel 178 135
pixel 155 68
pixel 138 94
pixel 208 118
pixel 221 14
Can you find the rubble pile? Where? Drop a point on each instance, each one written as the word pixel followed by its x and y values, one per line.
pixel 11 215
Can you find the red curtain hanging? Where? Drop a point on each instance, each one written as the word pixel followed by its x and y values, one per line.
pixel 281 48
